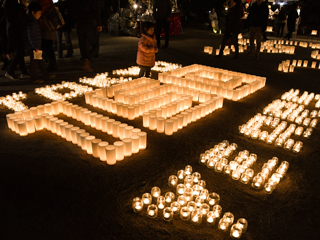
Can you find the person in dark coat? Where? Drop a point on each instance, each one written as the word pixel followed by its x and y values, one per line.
pixel 4 48
pixel 15 14
pixel 48 36
pixel 33 41
pixel 86 14
pixel 233 26
pixel 64 9
pixel 282 21
pixel 291 22
pixel 257 20
pixel 161 13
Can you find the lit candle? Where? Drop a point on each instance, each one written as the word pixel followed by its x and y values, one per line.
pixel 111 154
pixel 175 206
pixel 223 225
pixel 137 205
pixel 182 200
pixel 188 170
pixel 236 231
pixel 196 216
pixel 161 201
pixel 152 211
pixel 169 196
pixel 196 177
pixel 257 181
pixel 213 199
pixel 146 198
pixel 185 213
pixel 167 214
pixel 173 181
pixel 180 189
pixel 181 175
pixel 155 192
pixel 188 181
pixel 102 150
pixel 269 188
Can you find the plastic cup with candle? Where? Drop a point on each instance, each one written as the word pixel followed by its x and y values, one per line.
pixel 167 214
pixel 137 205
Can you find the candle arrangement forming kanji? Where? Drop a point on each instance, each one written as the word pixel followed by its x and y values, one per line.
pixel 189 200
pixel 292 108
pixel 289 66
pixel 241 167
pixel 166 108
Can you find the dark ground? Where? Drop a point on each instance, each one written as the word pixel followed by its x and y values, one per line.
pixel 51 189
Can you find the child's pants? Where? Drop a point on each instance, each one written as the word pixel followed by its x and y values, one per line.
pixel 144 70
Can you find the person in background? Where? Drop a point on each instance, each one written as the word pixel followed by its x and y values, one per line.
pixel 15 13
pixel 291 22
pixel 213 17
pixel 33 41
pixel 233 25
pixel 101 6
pixel 48 36
pixel 147 49
pixel 257 20
pixel 4 49
pixel 282 21
pixel 65 30
pixel 86 14
pixel 161 13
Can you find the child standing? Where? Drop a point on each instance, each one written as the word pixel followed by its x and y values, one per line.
pixel 34 40
pixel 147 48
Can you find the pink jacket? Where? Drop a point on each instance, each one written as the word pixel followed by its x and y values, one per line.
pixel 147 48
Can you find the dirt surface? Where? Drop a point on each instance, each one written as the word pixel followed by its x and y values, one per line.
pixel 51 189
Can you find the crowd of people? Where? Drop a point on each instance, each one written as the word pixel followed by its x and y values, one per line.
pixel 29 26
pixel 24 28
pixel 256 21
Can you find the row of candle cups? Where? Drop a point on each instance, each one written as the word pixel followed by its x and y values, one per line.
pixel 96 147
pixel 131 112
pixel 286 66
pixel 156 120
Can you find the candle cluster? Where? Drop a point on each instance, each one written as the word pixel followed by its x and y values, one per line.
pixel 291 107
pixel 189 200
pixel 13 101
pixel 160 66
pixel 315 54
pixel 42 117
pixel 50 92
pixel 288 66
pixel 240 168
pixel 229 84
pixel 102 80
